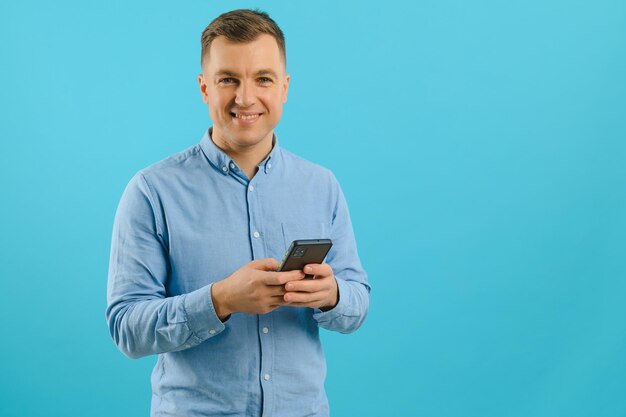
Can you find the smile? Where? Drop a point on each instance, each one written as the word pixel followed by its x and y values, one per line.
pixel 246 116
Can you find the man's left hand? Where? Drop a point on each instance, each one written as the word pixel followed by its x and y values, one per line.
pixel 321 292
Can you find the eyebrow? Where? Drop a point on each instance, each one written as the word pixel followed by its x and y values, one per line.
pixel 266 72
pixel 226 73
pixel 259 73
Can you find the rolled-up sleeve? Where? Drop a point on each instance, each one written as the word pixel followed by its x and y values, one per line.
pixel 141 319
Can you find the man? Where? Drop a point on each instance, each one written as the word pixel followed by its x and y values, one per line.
pixel 192 273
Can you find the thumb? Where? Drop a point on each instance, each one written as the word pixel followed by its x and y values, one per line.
pixel 267 264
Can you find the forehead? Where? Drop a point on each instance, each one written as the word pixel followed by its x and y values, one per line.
pixel 263 52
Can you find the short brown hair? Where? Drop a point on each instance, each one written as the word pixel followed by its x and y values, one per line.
pixel 242 26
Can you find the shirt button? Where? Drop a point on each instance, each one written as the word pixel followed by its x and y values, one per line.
pixel 269 166
pixel 266 377
pixel 256 234
pixel 212 331
pixel 232 166
pixel 265 330
pixel 224 168
pixel 251 187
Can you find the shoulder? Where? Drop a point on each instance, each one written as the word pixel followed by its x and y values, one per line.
pixel 178 161
pixel 316 179
pixel 176 166
pixel 304 166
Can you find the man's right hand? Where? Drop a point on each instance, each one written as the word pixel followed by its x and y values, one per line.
pixel 255 288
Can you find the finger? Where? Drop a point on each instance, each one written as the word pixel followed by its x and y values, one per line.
pixel 294 298
pixel 277 300
pixel 307 285
pixel 267 264
pixel 269 309
pixel 319 270
pixel 313 304
pixel 276 290
pixel 280 278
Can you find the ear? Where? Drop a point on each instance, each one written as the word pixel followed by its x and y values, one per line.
pixel 286 87
pixel 203 88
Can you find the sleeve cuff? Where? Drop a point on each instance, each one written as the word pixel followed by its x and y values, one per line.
pixel 201 316
pixel 344 295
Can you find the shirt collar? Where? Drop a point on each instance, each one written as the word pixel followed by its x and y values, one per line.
pixel 224 163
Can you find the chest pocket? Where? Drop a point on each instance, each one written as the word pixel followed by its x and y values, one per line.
pixel 304 230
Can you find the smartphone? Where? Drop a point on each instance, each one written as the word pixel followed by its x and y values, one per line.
pixel 304 252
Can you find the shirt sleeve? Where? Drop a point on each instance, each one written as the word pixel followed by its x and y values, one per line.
pixel 354 290
pixel 141 319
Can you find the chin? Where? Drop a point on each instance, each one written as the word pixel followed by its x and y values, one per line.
pixel 249 139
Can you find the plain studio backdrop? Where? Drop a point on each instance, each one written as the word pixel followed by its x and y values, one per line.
pixel 481 146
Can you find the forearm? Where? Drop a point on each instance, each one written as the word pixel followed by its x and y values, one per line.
pixel 142 327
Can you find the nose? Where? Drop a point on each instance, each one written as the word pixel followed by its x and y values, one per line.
pixel 244 95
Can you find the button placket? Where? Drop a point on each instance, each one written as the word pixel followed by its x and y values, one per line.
pixel 265 323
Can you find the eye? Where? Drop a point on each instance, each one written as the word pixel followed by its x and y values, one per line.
pixel 227 80
pixel 265 80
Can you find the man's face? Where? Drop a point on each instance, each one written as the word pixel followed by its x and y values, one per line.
pixel 245 86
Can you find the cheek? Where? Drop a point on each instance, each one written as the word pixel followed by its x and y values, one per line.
pixel 216 104
pixel 275 103
pixel 278 112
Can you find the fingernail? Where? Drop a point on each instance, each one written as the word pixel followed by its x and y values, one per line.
pixel 308 269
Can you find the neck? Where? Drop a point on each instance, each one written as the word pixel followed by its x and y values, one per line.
pixel 246 157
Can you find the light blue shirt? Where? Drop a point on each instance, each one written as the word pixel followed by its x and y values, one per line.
pixel 195 218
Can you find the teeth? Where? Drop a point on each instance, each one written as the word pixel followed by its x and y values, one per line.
pixel 246 117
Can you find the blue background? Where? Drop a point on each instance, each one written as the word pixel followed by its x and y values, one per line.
pixel 481 146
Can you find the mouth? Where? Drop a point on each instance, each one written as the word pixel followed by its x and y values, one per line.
pixel 245 118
